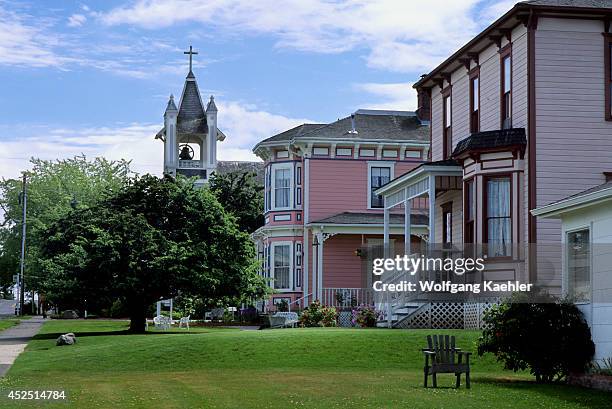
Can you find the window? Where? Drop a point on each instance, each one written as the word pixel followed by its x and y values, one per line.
pixel 447 224
pixel 298 263
pixel 469 212
pixel 282 265
pixel 282 188
pixel 506 91
pixel 579 265
pixel 378 176
pixel 447 143
pixel 498 220
pixel 268 189
pixel 608 75
pixel 474 103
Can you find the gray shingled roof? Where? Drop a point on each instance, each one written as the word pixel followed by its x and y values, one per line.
pixel 242 166
pixel 492 139
pixel 372 218
pixel 398 126
pixel 293 132
pixel 191 117
pixel 601 4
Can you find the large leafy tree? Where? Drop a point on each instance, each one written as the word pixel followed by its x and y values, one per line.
pixel 241 195
pixel 54 189
pixel 155 239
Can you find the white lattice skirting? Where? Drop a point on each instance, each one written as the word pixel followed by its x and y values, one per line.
pixel 448 315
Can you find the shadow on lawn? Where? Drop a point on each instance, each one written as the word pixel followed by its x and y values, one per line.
pixel 571 394
pixel 54 335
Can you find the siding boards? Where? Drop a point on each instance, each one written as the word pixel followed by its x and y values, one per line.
pixel 573 139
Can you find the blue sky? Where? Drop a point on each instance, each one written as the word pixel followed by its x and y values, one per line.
pixel 93 77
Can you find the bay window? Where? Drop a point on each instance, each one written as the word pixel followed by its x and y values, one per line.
pixel 282 266
pixel 470 212
pixel 282 186
pixel 498 216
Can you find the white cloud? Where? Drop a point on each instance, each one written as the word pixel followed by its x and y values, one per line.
pixel 401 36
pixel 24 44
pixel 76 20
pixel 244 126
pixel 393 96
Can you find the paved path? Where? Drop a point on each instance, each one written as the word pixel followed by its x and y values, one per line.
pixel 14 340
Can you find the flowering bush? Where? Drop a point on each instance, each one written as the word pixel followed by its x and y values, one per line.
pixel 315 315
pixel 366 316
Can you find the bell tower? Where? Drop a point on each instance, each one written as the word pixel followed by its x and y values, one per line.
pixel 190 133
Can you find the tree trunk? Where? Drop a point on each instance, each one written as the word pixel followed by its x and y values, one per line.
pixel 138 318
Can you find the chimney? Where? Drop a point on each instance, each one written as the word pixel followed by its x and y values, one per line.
pixel 353 129
pixel 423 104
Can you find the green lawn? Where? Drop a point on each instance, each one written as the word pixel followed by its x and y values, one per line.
pixel 310 368
pixel 7 323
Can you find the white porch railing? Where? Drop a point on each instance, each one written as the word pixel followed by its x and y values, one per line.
pixel 190 164
pixel 347 297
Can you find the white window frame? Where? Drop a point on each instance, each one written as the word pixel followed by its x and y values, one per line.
pixel 272 267
pixel 284 166
pixel 378 164
pixel 565 281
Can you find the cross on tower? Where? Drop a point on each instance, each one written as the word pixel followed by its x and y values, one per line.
pixel 191 53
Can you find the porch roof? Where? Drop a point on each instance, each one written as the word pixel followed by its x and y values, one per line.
pixel 349 218
pixel 585 198
pixel 449 167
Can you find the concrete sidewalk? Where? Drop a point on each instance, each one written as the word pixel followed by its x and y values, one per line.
pixel 14 340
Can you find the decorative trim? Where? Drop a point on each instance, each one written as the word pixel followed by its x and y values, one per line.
pixel 282 217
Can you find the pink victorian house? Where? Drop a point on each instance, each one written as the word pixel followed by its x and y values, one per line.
pixel 320 208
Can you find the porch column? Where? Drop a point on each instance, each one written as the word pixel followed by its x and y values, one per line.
pixel 432 209
pixel 320 268
pixel 386 228
pixel 315 263
pixel 407 224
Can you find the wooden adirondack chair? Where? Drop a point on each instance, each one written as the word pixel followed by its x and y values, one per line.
pixel 442 356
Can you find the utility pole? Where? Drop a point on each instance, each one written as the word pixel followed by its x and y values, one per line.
pixel 24 199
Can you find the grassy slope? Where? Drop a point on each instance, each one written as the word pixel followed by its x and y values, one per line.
pixel 7 323
pixel 315 368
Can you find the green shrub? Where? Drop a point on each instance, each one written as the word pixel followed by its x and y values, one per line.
pixel 315 315
pixel 550 339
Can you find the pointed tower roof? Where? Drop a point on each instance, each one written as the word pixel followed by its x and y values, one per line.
pixel 171 107
pixel 211 107
pixel 191 117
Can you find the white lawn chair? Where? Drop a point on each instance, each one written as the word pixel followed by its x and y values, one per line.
pixel 162 323
pixel 184 321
